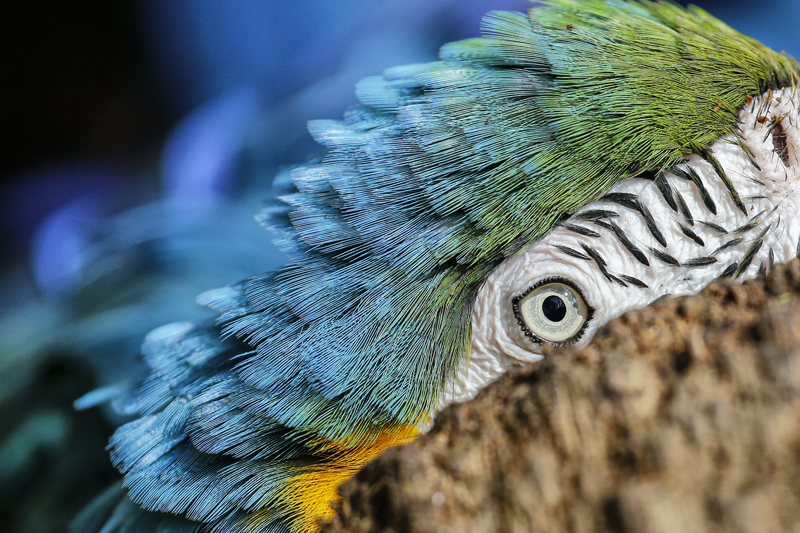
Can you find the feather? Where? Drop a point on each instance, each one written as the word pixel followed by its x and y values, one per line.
pixel 441 172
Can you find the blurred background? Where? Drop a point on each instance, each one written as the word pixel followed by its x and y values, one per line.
pixel 139 139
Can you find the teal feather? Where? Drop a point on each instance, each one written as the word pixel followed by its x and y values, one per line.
pixel 441 172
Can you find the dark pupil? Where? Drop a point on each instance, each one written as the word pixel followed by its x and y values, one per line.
pixel 554 309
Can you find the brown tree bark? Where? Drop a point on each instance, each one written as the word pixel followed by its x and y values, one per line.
pixel 681 417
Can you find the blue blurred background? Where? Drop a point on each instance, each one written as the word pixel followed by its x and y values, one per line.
pixel 139 140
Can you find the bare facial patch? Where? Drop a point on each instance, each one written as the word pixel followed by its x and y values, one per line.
pixel 730 212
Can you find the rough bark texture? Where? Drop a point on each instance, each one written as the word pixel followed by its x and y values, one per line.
pixel 681 417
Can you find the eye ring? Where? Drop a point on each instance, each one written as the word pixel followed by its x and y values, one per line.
pixel 516 303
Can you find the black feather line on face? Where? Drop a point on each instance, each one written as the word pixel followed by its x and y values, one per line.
pixel 580 230
pixel 729 271
pixel 650 222
pixel 666 191
pixel 715 227
pixel 632 202
pixel 709 157
pixel 625 199
pixel 748 257
pixel 601 264
pixel 744 229
pixel 684 209
pixel 626 242
pixel 689 174
pixel 615 279
pixel 692 235
pixel 700 262
pixel 603 224
pixel 572 252
pixel 741 143
pixel 594 254
pixel 732 242
pixel 596 214
pixel 665 257
pixel 636 282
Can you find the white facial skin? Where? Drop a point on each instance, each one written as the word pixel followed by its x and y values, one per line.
pixel 770 196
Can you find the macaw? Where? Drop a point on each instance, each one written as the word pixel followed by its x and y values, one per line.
pixel 580 160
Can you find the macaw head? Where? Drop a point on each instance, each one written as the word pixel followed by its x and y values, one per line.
pixel 730 211
pixel 577 161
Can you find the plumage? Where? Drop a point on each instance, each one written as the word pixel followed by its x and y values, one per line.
pixel 442 172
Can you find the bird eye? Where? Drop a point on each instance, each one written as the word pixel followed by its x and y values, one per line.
pixel 553 311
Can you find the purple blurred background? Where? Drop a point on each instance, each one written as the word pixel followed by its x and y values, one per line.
pixel 113 104
pixel 108 105
pixel 140 138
